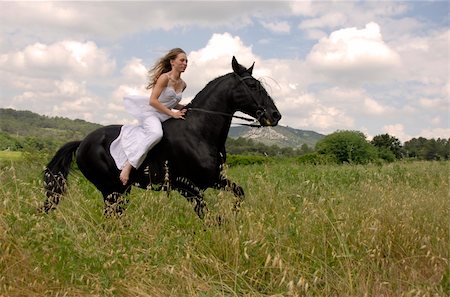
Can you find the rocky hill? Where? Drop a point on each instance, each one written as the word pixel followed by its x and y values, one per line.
pixel 280 135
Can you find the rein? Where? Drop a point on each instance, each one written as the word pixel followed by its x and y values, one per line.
pixel 225 114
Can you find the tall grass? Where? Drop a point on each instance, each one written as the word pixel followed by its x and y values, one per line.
pixel 302 231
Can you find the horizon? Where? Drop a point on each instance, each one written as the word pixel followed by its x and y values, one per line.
pixel 237 125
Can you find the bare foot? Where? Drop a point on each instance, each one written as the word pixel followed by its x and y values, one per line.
pixel 125 173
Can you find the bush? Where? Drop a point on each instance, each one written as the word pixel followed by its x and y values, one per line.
pixel 347 147
pixel 386 154
pixel 8 142
pixel 234 160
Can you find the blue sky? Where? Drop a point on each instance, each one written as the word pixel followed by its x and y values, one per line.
pixel 371 66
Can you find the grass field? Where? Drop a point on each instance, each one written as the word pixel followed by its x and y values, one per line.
pixel 7 156
pixel 302 231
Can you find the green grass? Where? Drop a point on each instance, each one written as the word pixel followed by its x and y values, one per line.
pixel 303 231
pixel 7 156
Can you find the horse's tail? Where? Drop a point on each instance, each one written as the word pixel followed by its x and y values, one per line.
pixel 56 172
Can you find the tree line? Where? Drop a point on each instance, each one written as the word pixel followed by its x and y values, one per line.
pixel 244 146
pixel 348 147
pixel 338 147
pixel 353 147
pixel 25 130
pixel 27 123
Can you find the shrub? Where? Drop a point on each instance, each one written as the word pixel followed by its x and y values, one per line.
pixel 347 147
pixel 234 160
pixel 386 154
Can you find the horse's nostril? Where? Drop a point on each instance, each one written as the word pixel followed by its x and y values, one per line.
pixel 276 115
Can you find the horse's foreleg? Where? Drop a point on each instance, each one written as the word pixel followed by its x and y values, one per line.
pixel 237 190
pixel 193 194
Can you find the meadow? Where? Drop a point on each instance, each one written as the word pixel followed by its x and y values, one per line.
pixel 303 230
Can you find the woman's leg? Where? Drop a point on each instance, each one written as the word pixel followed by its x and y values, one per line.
pixel 137 141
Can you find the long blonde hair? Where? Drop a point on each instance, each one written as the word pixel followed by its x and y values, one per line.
pixel 162 66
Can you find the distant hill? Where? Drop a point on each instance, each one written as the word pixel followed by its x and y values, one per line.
pixel 279 135
pixel 27 123
pixel 56 130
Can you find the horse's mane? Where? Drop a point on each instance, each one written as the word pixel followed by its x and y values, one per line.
pixel 209 86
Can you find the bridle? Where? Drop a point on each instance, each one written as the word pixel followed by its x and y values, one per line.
pixel 259 112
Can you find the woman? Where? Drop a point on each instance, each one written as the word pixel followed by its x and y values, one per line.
pixel 134 141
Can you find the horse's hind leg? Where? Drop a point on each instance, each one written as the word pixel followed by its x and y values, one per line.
pixel 55 185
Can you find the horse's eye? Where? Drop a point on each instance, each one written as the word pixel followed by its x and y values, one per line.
pixel 252 85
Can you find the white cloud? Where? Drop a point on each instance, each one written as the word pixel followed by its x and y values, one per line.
pixel 218 46
pixel 303 8
pixel 52 79
pixel 315 34
pixel 354 55
pixel 61 98
pixel 65 58
pixel 134 71
pixel 429 103
pixel 343 95
pixel 397 130
pixel 115 19
pixel 355 101
pixel 277 27
pixel 329 20
pixel 436 120
pixel 214 60
pixel 327 119
pixel 70 88
pixel 373 107
pixel 85 108
pixel 435 133
pixel 425 58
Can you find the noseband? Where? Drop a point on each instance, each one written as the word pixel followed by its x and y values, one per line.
pixel 260 111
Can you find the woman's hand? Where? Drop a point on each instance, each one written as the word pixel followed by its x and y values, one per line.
pixel 178 114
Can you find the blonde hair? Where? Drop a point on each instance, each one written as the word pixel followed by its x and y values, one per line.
pixel 162 66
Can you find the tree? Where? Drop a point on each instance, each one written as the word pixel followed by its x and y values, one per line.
pixel 414 148
pixel 347 146
pixel 433 150
pixel 8 142
pixel 386 142
pixel 305 149
pixel 444 145
pixel 428 149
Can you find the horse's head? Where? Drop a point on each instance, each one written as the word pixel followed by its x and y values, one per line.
pixel 251 98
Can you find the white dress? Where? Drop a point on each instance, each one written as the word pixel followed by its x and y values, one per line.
pixel 135 141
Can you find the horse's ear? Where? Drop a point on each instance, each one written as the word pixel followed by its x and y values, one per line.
pixel 237 68
pixel 250 70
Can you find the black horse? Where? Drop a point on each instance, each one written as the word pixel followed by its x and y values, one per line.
pixel 188 158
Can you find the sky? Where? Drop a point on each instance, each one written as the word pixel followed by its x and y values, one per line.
pixel 371 66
